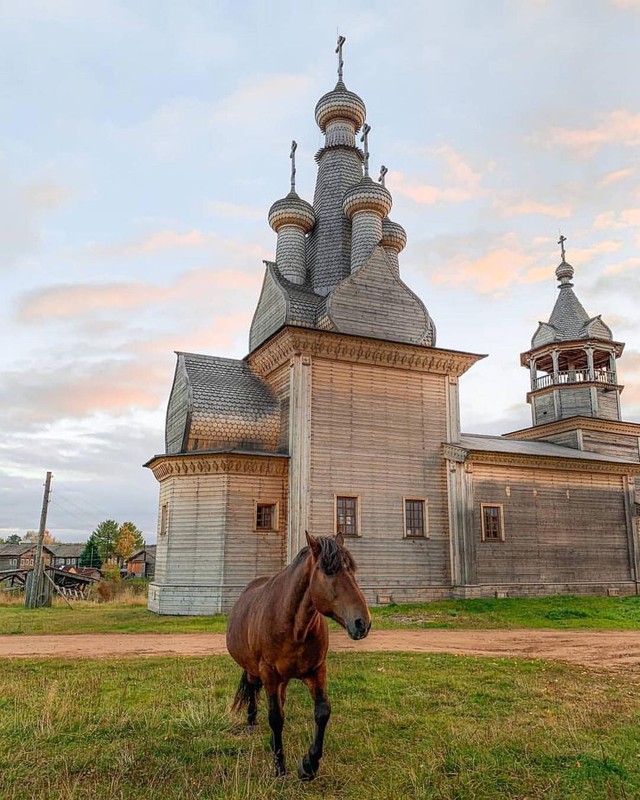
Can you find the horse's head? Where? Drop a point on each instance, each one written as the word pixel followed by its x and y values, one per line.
pixel 333 587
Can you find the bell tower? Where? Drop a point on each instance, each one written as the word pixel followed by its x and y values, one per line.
pixel 572 360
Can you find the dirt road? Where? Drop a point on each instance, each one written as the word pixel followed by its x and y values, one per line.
pixel 608 649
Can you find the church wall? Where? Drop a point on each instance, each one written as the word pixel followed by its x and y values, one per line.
pixel 576 402
pixel 612 444
pixel 377 433
pixel 543 408
pixel 250 553
pixel 190 555
pixel 608 405
pixel 564 531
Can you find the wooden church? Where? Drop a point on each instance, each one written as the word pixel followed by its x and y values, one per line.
pixel 344 416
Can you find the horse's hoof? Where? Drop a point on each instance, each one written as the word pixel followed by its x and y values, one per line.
pixel 305 771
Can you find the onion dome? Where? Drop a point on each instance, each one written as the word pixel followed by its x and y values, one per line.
pixel 564 273
pixel 393 235
pixel 292 210
pixel 341 104
pixel 367 195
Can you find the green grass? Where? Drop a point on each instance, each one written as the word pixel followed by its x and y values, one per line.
pixel 403 726
pixel 560 612
pixel 86 617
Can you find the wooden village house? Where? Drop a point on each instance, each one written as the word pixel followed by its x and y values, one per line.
pixel 344 416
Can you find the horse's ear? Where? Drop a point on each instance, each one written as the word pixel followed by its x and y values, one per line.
pixel 313 544
pixel 339 539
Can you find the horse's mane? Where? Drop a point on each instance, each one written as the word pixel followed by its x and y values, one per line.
pixel 333 558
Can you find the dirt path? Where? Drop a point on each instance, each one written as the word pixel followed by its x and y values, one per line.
pixel 609 649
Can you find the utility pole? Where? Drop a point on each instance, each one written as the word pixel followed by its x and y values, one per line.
pixel 36 586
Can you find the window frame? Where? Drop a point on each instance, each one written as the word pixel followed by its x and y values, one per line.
pixel 426 533
pixel 358 521
pixel 484 537
pixel 275 525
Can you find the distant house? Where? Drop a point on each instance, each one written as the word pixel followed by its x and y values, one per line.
pixel 21 556
pixel 142 563
pixel 63 555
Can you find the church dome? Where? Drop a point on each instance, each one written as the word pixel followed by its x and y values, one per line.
pixel 340 103
pixel 393 235
pixel 292 210
pixel 564 273
pixel 367 195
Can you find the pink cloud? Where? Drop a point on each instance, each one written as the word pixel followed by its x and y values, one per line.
pixel 223 209
pixel 521 208
pixel 628 218
pixel 620 127
pixel 74 301
pixel 462 181
pixel 167 240
pixel 616 176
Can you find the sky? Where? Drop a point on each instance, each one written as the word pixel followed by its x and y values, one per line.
pixel 142 143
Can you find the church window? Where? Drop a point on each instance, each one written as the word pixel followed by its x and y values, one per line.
pixel 492 523
pixel 416 520
pixel 266 516
pixel 347 515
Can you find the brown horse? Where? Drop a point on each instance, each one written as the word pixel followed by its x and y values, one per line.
pixel 277 631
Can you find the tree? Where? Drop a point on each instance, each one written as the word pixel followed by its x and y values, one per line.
pixel 105 538
pixel 90 556
pixel 128 540
pixel 13 538
pixel 32 536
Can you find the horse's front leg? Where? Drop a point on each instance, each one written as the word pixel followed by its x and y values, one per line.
pixel 317 686
pixel 275 694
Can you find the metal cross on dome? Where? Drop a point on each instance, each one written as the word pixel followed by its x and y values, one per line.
pixel 292 156
pixel 365 139
pixel 341 41
pixel 383 172
pixel 561 242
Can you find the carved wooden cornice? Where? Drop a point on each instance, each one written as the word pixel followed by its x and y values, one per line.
pixel 453 452
pixel 217 463
pixel 576 423
pixel 556 464
pixel 357 349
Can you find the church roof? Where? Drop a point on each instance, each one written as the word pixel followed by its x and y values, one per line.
pixel 220 402
pixel 500 444
pixel 569 321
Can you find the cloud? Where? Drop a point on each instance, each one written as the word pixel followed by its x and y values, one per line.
pixel 620 127
pixel 525 207
pixel 623 266
pixel 627 218
pixel 22 207
pixel 462 181
pixel 616 176
pixel 78 301
pixel 167 240
pixel 634 5
pixel 223 209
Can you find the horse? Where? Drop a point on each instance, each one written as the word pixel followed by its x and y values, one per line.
pixel 277 631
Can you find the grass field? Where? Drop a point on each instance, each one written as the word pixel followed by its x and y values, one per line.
pixel 615 613
pixel 403 726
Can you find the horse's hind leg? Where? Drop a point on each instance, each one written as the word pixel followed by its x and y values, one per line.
pixel 317 686
pixel 252 704
pixel 276 722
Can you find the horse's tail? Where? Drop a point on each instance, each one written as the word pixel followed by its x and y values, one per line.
pixel 246 689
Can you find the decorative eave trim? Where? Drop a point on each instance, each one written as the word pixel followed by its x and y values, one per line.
pixel 562 344
pixel 166 466
pixel 576 423
pixel 279 348
pixel 453 452
pixel 553 462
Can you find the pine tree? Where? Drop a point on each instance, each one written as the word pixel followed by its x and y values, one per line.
pixel 105 538
pixel 90 556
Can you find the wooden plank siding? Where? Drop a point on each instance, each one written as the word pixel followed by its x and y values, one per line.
pixel 377 433
pixel 561 528
pixel 248 552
